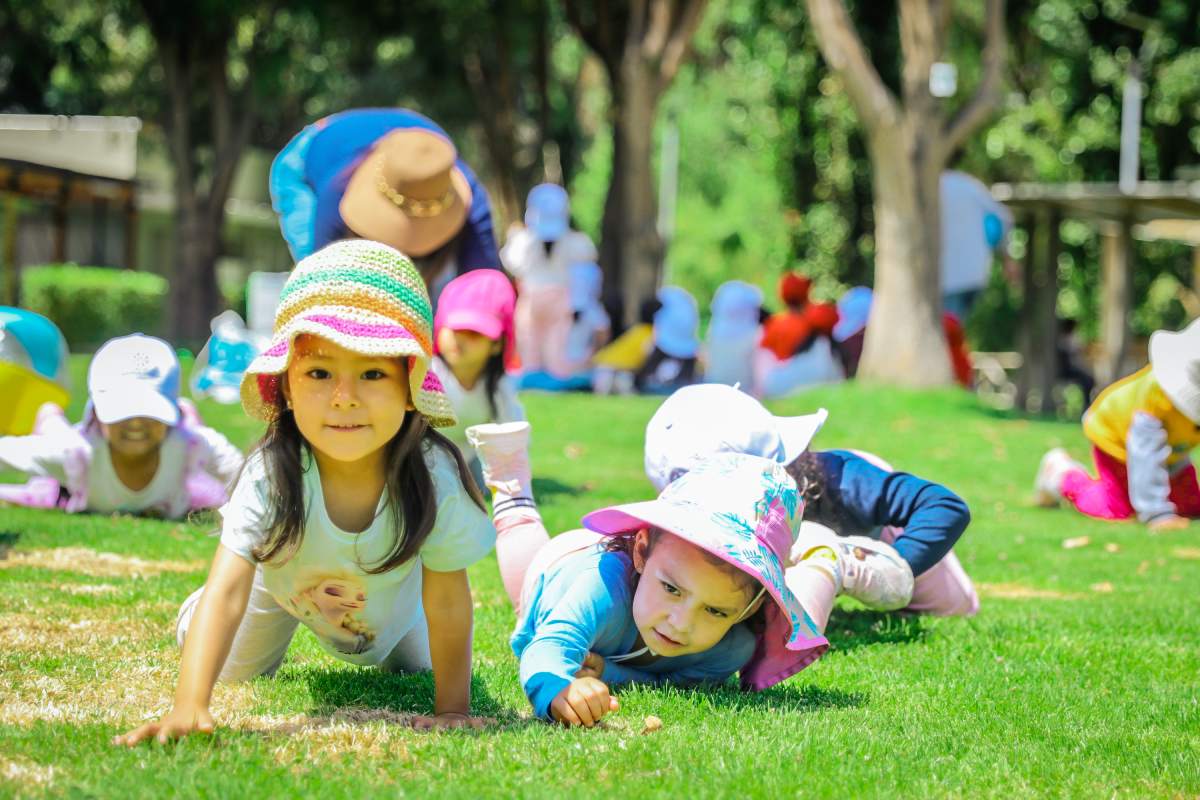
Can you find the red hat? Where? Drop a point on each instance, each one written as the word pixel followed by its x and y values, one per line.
pixel 793 288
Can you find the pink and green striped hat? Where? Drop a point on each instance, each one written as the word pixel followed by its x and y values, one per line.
pixel 361 295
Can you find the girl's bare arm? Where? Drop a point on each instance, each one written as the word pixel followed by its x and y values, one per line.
pixel 209 638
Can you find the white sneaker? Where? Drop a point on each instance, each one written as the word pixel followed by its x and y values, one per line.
pixel 1047 486
pixel 503 450
pixel 871 571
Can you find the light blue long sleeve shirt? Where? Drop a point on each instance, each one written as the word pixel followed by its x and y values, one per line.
pixel 583 602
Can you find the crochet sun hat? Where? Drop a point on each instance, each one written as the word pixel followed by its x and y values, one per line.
pixel 746 511
pixel 1175 362
pixel 363 296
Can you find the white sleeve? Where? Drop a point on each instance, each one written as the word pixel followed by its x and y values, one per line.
pixel 508 405
pixel 1146 460
pixel 462 533
pixel 244 517
pixel 34 455
pixel 515 253
pixel 225 461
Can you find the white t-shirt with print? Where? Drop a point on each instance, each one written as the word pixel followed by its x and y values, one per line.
pixel 357 617
pixel 524 256
pixel 471 405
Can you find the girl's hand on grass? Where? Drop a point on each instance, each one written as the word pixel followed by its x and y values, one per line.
pixel 593 667
pixel 1171 522
pixel 178 722
pixel 451 719
pixel 583 702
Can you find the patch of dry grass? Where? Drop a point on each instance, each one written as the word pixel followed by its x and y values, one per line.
pixel 1017 591
pixel 98 565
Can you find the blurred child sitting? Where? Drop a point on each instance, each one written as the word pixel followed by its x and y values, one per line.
pixel 616 363
pixel 592 326
pixel 138 450
pixel 797 345
pixel 540 256
pixel 672 362
pixel 473 339
pixel 1142 429
pixel 733 334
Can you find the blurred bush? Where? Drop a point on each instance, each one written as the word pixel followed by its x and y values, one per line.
pixel 93 304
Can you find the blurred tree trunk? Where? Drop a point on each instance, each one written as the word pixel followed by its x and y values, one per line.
pixel 642 44
pixel 206 142
pixel 909 144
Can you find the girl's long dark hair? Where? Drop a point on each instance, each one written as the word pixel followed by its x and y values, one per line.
pixel 411 495
pixel 493 371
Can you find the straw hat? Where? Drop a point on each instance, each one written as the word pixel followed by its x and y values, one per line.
pixel 408 193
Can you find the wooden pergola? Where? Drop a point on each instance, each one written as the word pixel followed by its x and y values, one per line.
pixel 65 164
pixel 1041 207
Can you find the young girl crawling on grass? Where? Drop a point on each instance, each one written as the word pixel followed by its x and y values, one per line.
pixel 353 516
pixel 688 588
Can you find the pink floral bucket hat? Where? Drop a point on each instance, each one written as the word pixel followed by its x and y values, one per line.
pixel 745 510
pixel 366 297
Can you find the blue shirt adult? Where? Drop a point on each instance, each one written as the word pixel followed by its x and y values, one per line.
pixel 583 602
pixel 309 177
pixel 857 498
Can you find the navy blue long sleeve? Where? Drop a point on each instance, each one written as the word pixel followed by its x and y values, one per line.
pixel 858 497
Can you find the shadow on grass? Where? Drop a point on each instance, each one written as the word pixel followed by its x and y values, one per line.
pixel 851 629
pixel 545 488
pixel 781 697
pixel 335 689
pixel 8 540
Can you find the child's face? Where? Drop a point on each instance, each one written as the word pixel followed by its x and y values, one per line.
pixel 348 406
pixel 466 352
pixel 683 603
pixel 135 437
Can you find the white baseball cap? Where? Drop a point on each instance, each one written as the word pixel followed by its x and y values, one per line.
pixel 134 376
pixel 699 421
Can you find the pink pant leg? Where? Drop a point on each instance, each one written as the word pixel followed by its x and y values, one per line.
pixel 518 539
pixel 943 590
pixel 1185 492
pixel 523 323
pixel 1104 497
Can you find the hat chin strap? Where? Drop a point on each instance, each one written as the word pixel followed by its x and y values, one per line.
pixel 746 612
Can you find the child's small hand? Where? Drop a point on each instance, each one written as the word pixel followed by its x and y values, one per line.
pixel 1171 522
pixel 593 667
pixel 451 719
pixel 178 722
pixel 583 702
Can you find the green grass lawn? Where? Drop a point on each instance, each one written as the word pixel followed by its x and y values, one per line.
pixel 1078 678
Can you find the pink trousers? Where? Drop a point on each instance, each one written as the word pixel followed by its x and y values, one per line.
pixel 543 323
pixel 1107 495
pixel 943 590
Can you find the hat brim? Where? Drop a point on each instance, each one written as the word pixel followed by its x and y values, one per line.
pixel 119 404
pixel 796 433
pixel 371 215
pixel 471 320
pixel 703 529
pixel 370 334
pixel 1171 353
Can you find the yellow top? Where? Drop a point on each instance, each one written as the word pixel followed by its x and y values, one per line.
pixel 1107 422
pixel 629 350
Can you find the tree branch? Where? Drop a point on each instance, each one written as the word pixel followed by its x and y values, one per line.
pixel 987 94
pixel 680 41
pixel 844 53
